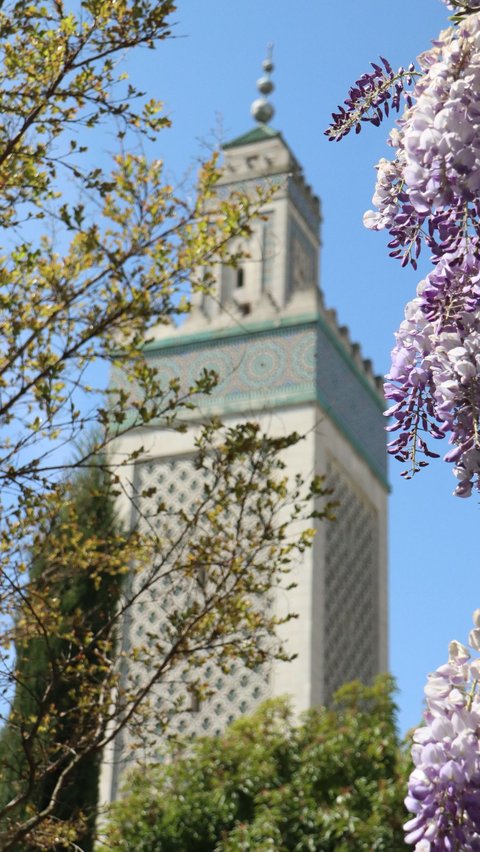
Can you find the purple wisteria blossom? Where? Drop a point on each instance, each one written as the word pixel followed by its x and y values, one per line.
pixel 433 381
pixel 374 95
pixel 463 6
pixel 428 195
pixel 395 211
pixel 435 199
pixel 440 137
pixel 444 787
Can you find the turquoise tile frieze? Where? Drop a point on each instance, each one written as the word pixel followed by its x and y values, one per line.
pixel 263 365
pixel 281 366
pixel 258 365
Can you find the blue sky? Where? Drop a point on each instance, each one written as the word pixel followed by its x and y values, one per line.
pixel 206 77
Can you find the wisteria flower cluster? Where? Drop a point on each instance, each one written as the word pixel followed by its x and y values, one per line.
pixel 372 98
pixel 462 7
pixel 433 382
pixel 428 194
pixel 444 787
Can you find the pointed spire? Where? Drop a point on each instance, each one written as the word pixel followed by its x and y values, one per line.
pixel 262 110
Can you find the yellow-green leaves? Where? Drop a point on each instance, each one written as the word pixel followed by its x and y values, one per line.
pixel 96 250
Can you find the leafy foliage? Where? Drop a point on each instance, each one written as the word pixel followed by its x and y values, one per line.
pixel 67 623
pixel 97 250
pixel 88 595
pixel 331 783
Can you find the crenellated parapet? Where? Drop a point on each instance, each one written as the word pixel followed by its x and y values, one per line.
pixel 354 351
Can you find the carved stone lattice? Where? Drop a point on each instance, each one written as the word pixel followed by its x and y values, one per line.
pixel 351 587
pixel 180 486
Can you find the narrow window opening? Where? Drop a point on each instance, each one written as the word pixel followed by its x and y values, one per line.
pixel 194 702
pixel 202 576
pixel 240 278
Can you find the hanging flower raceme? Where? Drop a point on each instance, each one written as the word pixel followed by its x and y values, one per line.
pixel 429 191
pixel 374 95
pixel 462 7
pixel 429 194
pixel 444 787
pixel 440 134
pixel 395 212
pixel 434 381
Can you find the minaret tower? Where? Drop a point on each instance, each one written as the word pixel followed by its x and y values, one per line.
pixel 280 274
pixel 282 359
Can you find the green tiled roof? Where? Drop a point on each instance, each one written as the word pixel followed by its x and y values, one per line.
pixel 256 135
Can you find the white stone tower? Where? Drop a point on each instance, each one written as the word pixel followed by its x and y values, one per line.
pixel 282 358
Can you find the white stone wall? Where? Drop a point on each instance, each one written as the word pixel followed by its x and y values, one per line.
pixel 167 463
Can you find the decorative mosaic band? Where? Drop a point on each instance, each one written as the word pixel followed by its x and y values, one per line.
pixel 281 366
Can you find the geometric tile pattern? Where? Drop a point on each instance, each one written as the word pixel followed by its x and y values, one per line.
pixel 351 603
pixel 280 366
pixel 180 485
